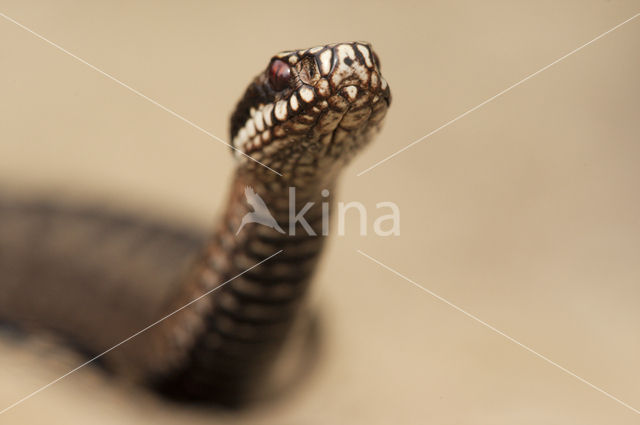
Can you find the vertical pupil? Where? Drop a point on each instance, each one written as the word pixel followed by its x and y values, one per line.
pixel 279 74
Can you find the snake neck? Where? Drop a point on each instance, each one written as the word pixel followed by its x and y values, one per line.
pixel 222 346
pixel 283 198
pixel 298 124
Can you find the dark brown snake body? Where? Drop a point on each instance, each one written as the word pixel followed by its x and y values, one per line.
pixel 96 279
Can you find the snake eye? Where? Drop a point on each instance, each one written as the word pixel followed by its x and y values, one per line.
pixel 279 75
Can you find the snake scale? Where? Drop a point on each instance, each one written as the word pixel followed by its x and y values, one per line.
pixel 95 278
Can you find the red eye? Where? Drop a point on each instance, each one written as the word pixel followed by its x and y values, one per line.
pixel 279 75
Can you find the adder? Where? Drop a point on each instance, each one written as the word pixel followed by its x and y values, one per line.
pixel 95 278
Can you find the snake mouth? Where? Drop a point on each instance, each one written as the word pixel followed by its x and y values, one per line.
pixel 312 100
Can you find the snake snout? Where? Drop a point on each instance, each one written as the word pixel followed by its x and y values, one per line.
pixel 311 107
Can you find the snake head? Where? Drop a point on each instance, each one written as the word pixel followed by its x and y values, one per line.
pixel 311 110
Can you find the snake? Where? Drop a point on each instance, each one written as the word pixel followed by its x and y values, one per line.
pixel 211 314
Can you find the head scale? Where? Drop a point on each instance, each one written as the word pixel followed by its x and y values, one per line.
pixel 311 109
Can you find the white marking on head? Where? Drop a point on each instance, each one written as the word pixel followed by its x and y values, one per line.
pixel 374 80
pixel 258 121
pixel 251 128
pixel 293 101
pixel 323 87
pixel 267 114
pixel 346 51
pixel 316 49
pixel 281 110
pixel 266 135
pixel 343 69
pixel 366 54
pixel 306 94
pixel 351 91
pixel 326 58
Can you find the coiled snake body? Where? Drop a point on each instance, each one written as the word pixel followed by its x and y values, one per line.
pixel 96 278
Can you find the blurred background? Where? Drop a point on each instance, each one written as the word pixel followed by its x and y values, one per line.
pixel 525 213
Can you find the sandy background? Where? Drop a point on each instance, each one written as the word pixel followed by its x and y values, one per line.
pixel 525 213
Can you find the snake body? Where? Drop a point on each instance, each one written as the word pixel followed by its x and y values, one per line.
pixel 96 278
